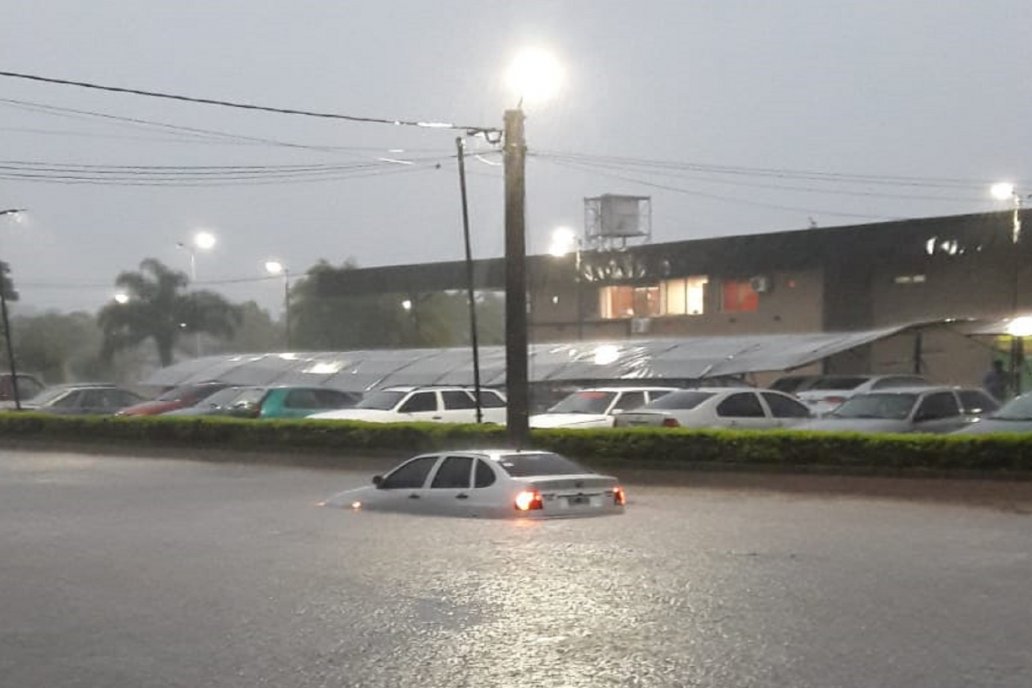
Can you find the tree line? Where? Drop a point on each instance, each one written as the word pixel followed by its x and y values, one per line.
pixel 161 320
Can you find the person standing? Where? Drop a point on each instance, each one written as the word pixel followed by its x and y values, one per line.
pixel 996 381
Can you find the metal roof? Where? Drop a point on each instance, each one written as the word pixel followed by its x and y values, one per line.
pixel 639 359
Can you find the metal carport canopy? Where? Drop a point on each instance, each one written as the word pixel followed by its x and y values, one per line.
pixel 657 358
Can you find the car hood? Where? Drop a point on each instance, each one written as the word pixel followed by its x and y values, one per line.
pixel 571 420
pixel 990 425
pixel 856 425
pixel 371 415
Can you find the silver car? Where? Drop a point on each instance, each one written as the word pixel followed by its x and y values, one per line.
pixel 709 407
pixel 1014 416
pixel 916 409
pixel 489 483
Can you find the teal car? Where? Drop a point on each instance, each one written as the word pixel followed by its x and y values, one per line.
pixel 290 402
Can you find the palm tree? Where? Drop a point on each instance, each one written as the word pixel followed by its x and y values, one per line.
pixel 157 308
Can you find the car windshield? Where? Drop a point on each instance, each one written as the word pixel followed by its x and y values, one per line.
pixel 838 383
pixel 539 463
pixel 1019 408
pixel 680 400
pixel 223 396
pixel 585 402
pixel 382 401
pixel 888 406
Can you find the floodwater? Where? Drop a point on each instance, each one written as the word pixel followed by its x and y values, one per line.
pixel 115 572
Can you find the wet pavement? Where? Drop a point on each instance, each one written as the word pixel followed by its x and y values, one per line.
pixel 116 572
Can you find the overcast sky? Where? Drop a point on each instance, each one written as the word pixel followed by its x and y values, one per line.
pixel 927 90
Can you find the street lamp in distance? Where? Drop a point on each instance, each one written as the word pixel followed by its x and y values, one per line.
pixel 14 214
pixel 1006 191
pixel 275 267
pixel 202 240
pixel 564 242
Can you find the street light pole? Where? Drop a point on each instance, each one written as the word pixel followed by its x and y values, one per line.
pixel 470 286
pixel 515 151
pixel 1006 191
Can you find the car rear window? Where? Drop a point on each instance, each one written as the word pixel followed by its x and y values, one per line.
pixel 543 463
pixel 680 400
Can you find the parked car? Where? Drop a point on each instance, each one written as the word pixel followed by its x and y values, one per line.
pixel 290 402
pixel 913 409
pixel 829 391
pixel 493 483
pixel 1014 416
pixel 28 387
pixel 596 407
pixel 175 398
pixel 719 407
pixel 434 404
pixel 82 399
pixel 217 404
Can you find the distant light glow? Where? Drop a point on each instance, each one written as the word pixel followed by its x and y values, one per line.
pixel 606 354
pixel 356 505
pixel 534 76
pixel 406 304
pixel 204 240
pixel 564 240
pixel 274 267
pixel 324 368
pixel 1020 326
pixel 121 298
pixel 1002 191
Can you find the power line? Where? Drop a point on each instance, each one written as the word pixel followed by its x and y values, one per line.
pixel 252 106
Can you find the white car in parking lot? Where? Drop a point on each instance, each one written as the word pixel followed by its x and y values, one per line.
pixel 596 407
pixel 713 407
pixel 489 483
pixel 429 404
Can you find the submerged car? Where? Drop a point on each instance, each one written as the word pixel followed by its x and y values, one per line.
pixel 489 483
pixel 1014 416
pixel 596 407
pixel 918 409
pixel 742 408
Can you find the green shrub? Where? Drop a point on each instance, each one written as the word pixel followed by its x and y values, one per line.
pixel 636 447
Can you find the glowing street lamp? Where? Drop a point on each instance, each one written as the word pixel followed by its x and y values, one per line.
pixel 1020 327
pixel 534 76
pixel 275 268
pixel 202 240
pixel 1005 191
pixel 121 298
pixel 564 242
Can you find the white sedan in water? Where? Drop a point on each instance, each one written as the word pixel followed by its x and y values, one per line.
pixel 489 483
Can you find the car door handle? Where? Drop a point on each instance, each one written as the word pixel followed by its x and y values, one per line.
pixel 413 496
pixel 462 495
pixel 435 417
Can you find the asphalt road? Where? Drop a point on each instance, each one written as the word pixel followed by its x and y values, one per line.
pixel 116 572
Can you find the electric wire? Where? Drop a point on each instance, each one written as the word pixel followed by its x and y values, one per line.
pixel 249 106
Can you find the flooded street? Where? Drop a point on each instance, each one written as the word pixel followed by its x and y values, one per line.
pixel 162 573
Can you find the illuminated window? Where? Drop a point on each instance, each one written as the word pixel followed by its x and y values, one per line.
pixel 909 279
pixel 629 302
pixel 684 296
pixel 738 296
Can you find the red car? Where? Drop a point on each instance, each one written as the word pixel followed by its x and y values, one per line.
pixel 175 398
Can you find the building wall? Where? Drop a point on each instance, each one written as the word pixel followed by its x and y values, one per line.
pixel 794 303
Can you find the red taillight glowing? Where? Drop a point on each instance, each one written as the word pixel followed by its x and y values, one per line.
pixel 619 496
pixel 671 423
pixel 528 500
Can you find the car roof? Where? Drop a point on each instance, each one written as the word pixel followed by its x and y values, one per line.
pixel 627 388
pixel 430 388
pixel 921 389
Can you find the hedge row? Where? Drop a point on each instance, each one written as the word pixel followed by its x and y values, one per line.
pixel 638 447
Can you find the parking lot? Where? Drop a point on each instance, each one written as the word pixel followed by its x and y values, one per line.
pixel 121 572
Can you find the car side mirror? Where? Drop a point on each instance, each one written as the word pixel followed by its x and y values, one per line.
pixel 377 480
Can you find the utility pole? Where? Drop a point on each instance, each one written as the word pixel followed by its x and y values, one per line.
pixel 471 294
pixel 7 336
pixel 515 155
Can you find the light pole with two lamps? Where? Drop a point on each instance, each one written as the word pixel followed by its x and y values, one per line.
pixel 275 267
